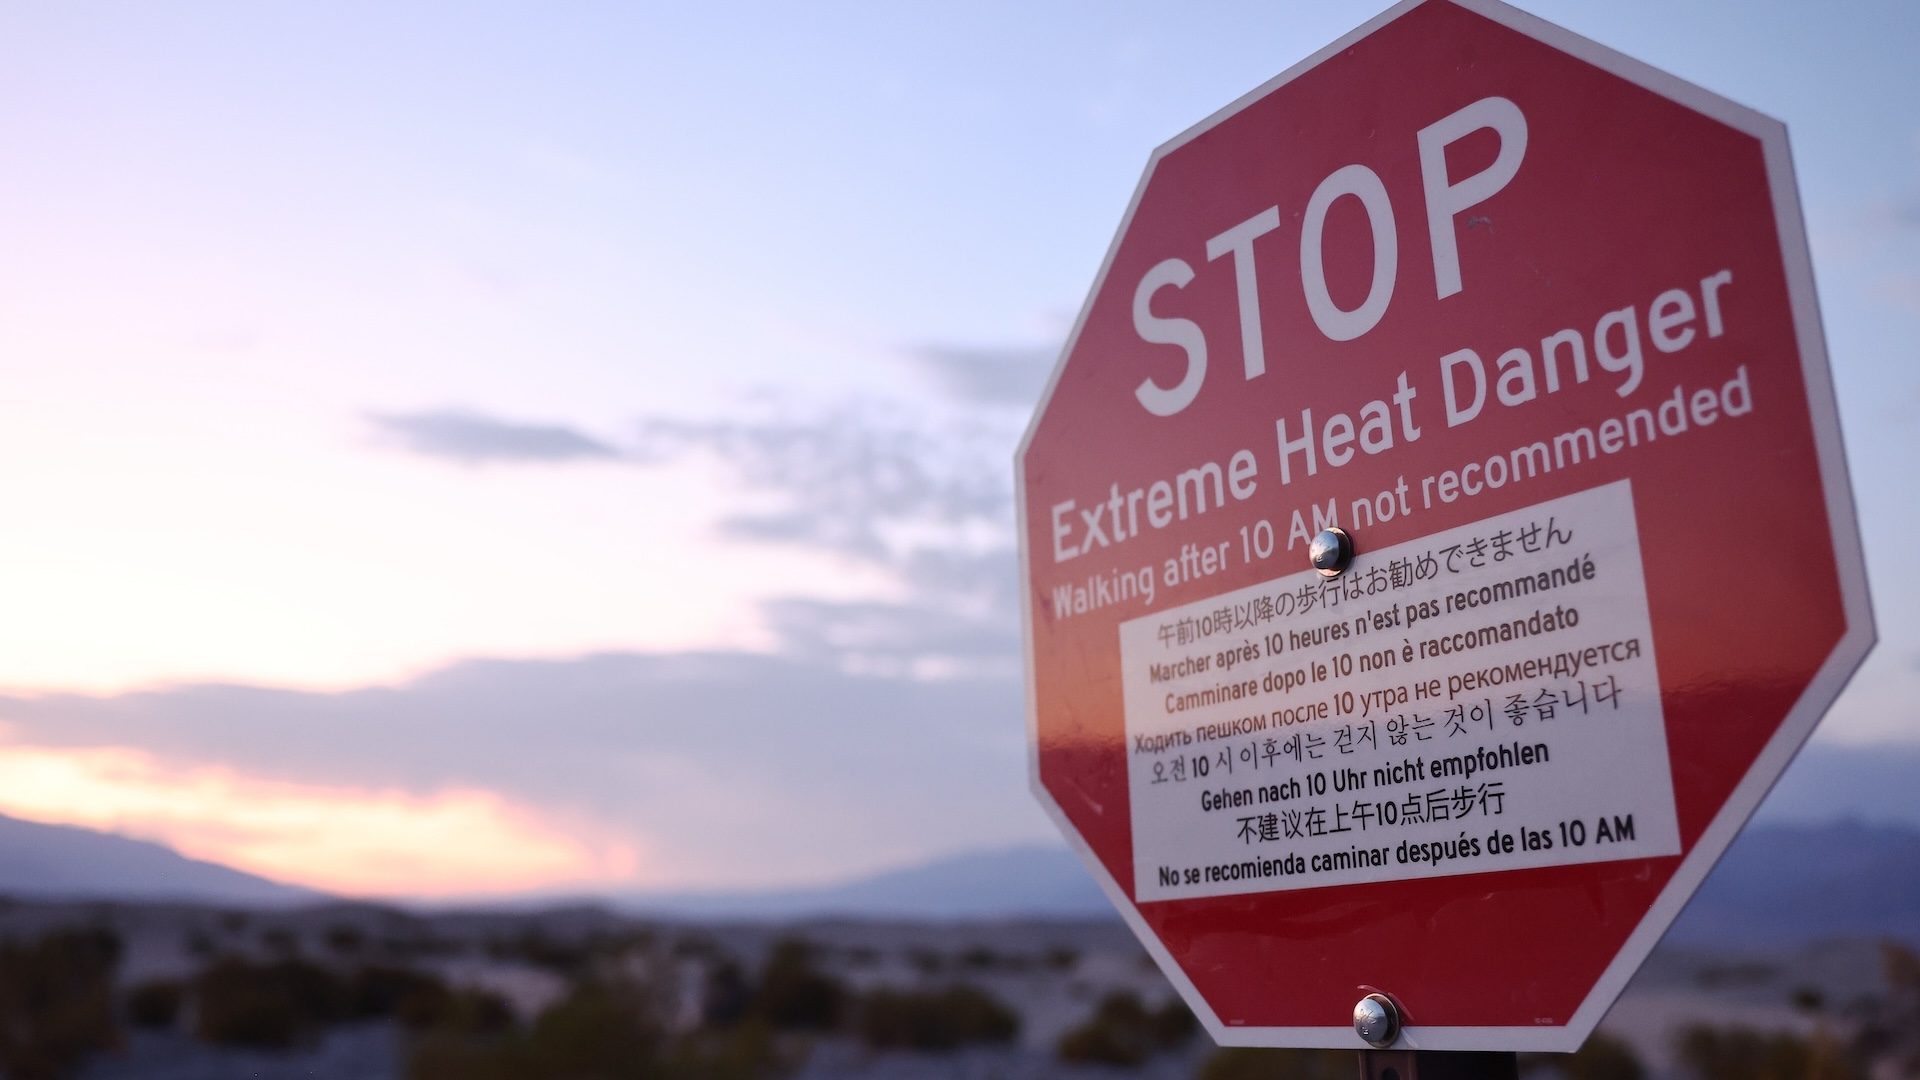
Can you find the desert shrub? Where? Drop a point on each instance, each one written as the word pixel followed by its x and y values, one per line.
pixel 1891 1027
pixel 1122 1031
pixel 1601 1057
pixel 414 998
pixel 793 994
pixel 56 1002
pixel 280 941
pixel 598 1030
pixel 155 1003
pixel 980 958
pixel 281 1003
pixel 726 997
pixel 743 1053
pixel 1740 1053
pixel 569 958
pixel 1174 1023
pixel 1249 1063
pixel 595 1033
pixel 601 1031
pixel 241 1003
pixel 934 1020
pixel 473 1012
pixel 345 938
pixel 1807 999
pixel 1901 965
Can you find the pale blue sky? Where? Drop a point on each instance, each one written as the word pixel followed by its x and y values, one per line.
pixel 704 275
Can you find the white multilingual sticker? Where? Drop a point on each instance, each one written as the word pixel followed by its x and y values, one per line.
pixel 1484 698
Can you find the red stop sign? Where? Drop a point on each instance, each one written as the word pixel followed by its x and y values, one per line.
pixel 1535 324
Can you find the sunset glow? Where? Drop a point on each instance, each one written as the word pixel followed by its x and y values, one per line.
pixel 342 840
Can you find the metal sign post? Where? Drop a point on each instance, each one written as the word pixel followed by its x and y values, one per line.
pixel 1439 1065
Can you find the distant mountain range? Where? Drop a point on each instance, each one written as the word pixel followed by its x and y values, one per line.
pixel 1025 881
pixel 1777 885
pixel 62 862
pixel 1828 782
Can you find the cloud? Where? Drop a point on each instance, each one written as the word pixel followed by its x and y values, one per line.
pixel 1007 376
pixel 877 483
pixel 920 491
pixel 473 439
pixel 718 770
pixel 924 495
pixel 922 638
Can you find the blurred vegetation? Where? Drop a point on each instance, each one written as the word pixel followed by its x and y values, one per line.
pixel 631 1005
pixel 573 959
pixel 280 941
pixel 934 1020
pixel 597 1031
pixel 1740 1053
pixel 345 939
pixel 1122 1031
pixel 282 1003
pixel 1601 1057
pixel 420 1002
pixel 1892 1030
pixel 271 1005
pixel 627 1017
pixel 728 995
pixel 613 1025
pixel 600 1031
pixel 56 1002
pixel 1901 965
pixel 156 1003
pixel 1249 1063
pixel 1808 999
pixel 794 994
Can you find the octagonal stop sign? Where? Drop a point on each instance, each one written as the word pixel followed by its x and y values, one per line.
pixel 1534 324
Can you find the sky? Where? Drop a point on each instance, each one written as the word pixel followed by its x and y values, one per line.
pixel 488 449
